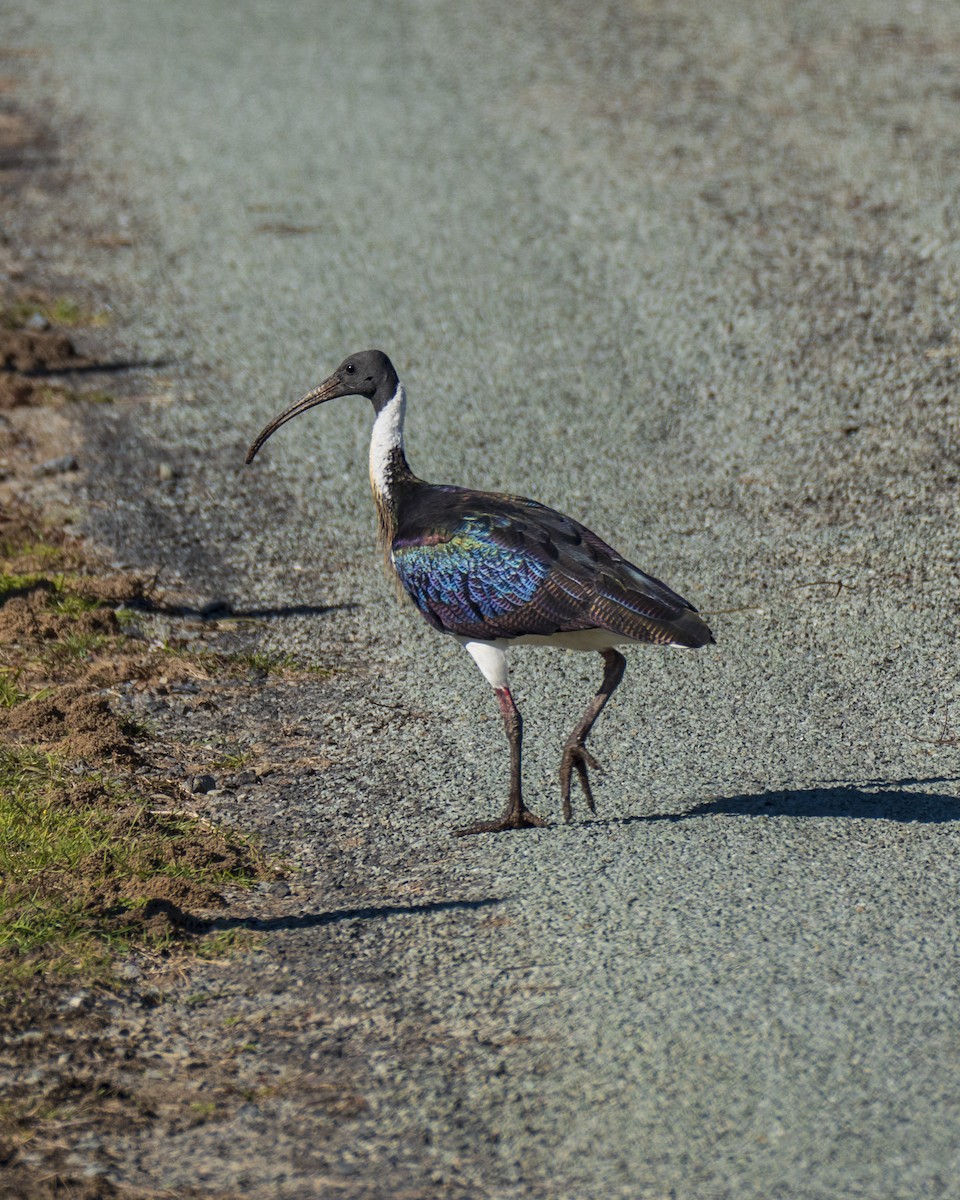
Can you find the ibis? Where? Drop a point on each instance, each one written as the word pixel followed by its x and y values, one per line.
pixel 495 571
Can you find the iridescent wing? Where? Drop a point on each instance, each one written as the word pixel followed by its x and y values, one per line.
pixel 487 566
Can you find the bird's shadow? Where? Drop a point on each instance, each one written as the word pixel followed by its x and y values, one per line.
pixel 886 800
pixel 312 920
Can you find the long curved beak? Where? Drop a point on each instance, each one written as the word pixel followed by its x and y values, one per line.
pixel 330 389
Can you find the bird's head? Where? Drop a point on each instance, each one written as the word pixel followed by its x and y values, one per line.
pixel 369 373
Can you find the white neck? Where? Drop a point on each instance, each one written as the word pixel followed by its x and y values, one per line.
pixel 387 437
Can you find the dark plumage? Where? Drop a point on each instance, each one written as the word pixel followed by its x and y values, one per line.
pixel 484 565
pixel 493 570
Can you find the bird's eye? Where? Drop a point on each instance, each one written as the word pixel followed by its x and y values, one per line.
pixel 350 368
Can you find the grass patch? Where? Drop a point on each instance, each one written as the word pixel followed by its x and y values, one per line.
pixel 70 603
pixel 226 943
pixel 235 663
pixel 233 760
pixel 239 662
pixel 60 588
pixel 88 868
pixel 12 584
pixel 51 394
pixel 261 660
pixel 42 551
pixel 10 694
pixel 78 647
pixel 64 311
pixel 56 615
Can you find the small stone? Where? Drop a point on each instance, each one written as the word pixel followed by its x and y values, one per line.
pixel 246 778
pixel 201 784
pixel 165 472
pixel 280 888
pixel 38 321
pixel 57 466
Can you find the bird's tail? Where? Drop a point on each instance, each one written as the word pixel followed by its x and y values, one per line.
pixel 644 608
pixel 689 629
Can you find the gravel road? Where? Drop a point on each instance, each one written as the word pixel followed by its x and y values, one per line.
pixel 691 273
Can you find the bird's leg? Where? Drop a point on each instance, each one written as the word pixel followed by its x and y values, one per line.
pixel 575 754
pixel 516 815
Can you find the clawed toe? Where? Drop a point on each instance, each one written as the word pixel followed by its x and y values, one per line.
pixel 521 818
pixel 576 758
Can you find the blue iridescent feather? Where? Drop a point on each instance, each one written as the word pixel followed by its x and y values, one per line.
pixel 467 581
pixel 489 566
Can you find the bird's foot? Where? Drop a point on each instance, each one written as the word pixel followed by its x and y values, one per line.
pixel 576 757
pixel 513 818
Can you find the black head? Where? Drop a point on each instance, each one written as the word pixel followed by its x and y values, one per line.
pixel 369 373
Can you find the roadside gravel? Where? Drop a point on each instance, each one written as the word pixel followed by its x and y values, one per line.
pixel 691 273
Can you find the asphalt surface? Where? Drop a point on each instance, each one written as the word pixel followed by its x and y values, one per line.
pixel 691 273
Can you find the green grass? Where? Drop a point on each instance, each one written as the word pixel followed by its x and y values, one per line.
pixel 10 694
pixel 90 869
pixel 64 311
pixel 262 660
pixel 74 855
pixel 226 943
pixel 71 604
pixel 44 552
pixel 233 664
pixel 12 584
pixel 60 585
pixel 275 664
pixel 233 760
pixel 56 395
pixel 41 840
pixel 75 647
